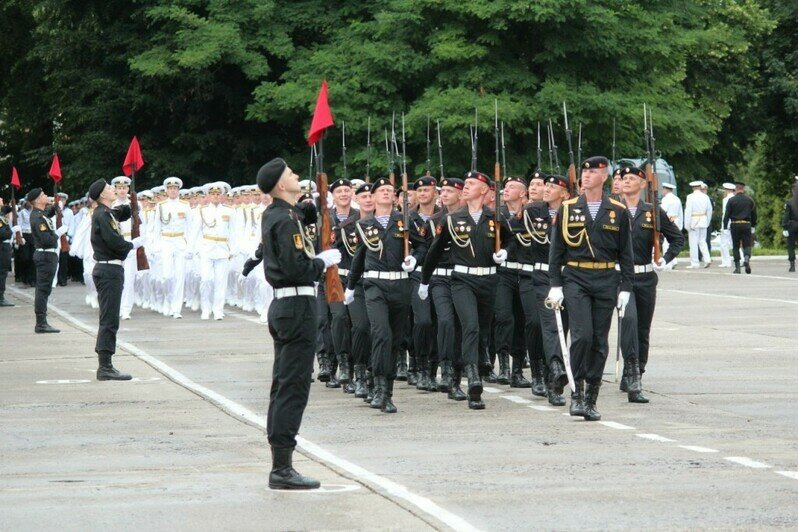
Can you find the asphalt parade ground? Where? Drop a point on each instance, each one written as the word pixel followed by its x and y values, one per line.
pixel 183 446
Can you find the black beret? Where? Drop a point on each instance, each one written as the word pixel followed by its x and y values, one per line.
pixel 96 188
pixel 381 182
pixel 33 194
pixel 425 181
pixel 538 174
pixel 479 176
pixel 340 183
pixel 515 179
pixel 598 161
pixel 365 187
pixel 560 181
pixel 616 173
pixel 270 173
pixel 304 197
pixel 626 170
pixel 453 182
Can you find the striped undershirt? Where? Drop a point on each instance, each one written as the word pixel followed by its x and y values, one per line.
pixel 341 217
pixel 475 216
pixel 423 216
pixel 593 207
pixel 552 213
pixel 383 220
pixel 632 211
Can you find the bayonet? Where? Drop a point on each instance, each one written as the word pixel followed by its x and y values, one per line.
pixel 440 149
pixel 571 163
pixel 429 161
pixel 368 152
pixel 343 142
pixel 405 200
pixel 539 152
pixel 504 160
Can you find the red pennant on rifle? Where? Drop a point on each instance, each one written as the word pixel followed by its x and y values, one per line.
pixel 15 178
pixel 322 116
pixel 55 169
pixel 133 160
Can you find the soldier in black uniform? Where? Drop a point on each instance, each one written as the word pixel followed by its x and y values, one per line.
pixel 45 257
pixel 472 231
pixel 741 212
pixel 636 322
pixel 789 224
pixel 381 262
pixel 591 236
pixel 6 238
pixel 110 250
pixel 291 267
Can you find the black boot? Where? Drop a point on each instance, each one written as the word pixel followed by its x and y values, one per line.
pixel 433 377
pixel 747 264
pixel 283 475
pixel 456 393
pixel 361 390
pixel 401 367
pixel 42 326
pixel 324 367
pixel 538 382
pixel 369 387
pixel 474 388
pixel 446 376
pixel 504 369
pixel 578 399
pixel 388 407
pixel 380 385
pixel 635 391
pixel 517 380
pixel 333 382
pixel 736 266
pixel 591 395
pixel 555 399
pixel 423 374
pixel 558 375
pixel 107 372
pixel 792 266
pixel 624 386
pixel 344 375
pixel 5 303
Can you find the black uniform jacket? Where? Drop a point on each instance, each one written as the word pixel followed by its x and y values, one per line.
pixel 789 219
pixel 578 237
pixel 343 234
pixel 43 228
pixel 643 234
pixel 288 255
pixel 740 208
pixel 533 234
pixel 106 236
pixel 5 228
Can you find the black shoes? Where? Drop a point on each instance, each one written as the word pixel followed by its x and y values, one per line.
pixel 634 386
pixel 792 266
pixel 107 372
pixel 538 382
pixel 361 390
pixel 517 380
pixel 380 385
pixel 455 392
pixel 747 265
pixel 578 400
pixel 446 377
pixel 4 303
pixel 324 367
pixel 401 369
pixel 591 395
pixel 42 326
pixel 283 475
pixel 736 268
pixel 558 375
pixel 504 369
pixel 474 388
pixel 388 407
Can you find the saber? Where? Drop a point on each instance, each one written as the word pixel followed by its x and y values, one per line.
pixel 566 353
pixel 618 349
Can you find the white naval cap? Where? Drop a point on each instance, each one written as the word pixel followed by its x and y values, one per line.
pixel 172 181
pixel 217 187
pixel 146 194
pixel 671 186
pixel 357 183
pixel 728 186
pixel 158 189
pixel 697 183
pixel 120 180
pixel 307 183
pixel 184 192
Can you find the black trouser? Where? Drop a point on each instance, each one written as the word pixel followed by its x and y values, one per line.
pixel 46 263
pixel 340 329
pixel 76 269
pixel 387 304
pixel 109 280
pixel 508 327
pixel 361 333
pixel 590 296
pixel 63 268
pixel 293 365
pixel 5 266
pixel 534 291
pixel 792 239
pixel 448 326
pixel 637 318
pixel 26 269
pixel 473 297
pixel 324 342
pixel 741 236
pixel 423 331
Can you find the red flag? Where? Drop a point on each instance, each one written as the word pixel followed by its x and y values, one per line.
pixel 15 178
pixel 322 116
pixel 133 160
pixel 55 169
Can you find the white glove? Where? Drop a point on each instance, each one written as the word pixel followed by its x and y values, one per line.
pixel 17 229
pixel 623 300
pixel 785 233
pixel 500 256
pixel 409 264
pixel 660 265
pixel 753 230
pixel 61 230
pixel 138 242
pixel 349 296
pixel 556 296
pixel 423 291
pixel 331 257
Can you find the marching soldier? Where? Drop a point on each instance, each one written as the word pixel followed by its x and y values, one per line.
pixel 697 216
pixel 473 232
pixel 789 224
pixel 725 232
pixel 381 262
pixel 741 218
pixel 6 238
pixel 291 268
pixel 45 256
pixel 213 240
pixel 121 185
pixel 672 206
pixel 591 236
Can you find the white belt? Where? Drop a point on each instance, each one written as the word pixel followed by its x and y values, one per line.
pixel 644 268
pixel 48 250
pixel 442 272
pixel 7 241
pixel 475 271
pixel 513 265
pixel 342 271
pixel 294 291
pixel 117 262
pixel 537 267
pixel 388 276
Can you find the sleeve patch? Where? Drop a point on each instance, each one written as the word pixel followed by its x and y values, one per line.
pixel 298 241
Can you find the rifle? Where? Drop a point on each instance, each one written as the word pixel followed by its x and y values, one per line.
pixel 504 159
pixel 440 148
pixel 652 179
pixel 59 219
pixel 14 221
pixel 613 143
pixel 368 152
pixel 554 146
pixel 497 178
pixel 474 141
pixel 405 201
pixel 332 282
pixel 135 224
pixel 551 151
pixel 539 152
pixel 429 162
pixel 571 164
pixel 579 151
pixel 343 142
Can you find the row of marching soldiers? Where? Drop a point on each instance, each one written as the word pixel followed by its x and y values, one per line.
pixel 196 241
pixel 457 305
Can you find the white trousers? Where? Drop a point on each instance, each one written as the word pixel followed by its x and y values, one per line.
pixel 173 272
pixel 698 242
pixel 213 285
pixel 128 289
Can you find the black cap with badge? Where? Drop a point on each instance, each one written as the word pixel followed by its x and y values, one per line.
pixel 270 173
pixel 598 161
pixel 96 188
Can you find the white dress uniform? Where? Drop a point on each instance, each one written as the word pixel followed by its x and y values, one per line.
pixel 697 215
pixel 672 205
pixel 129 264
pixel 81 248
pixel 264 293
pixel 725 232
pixel 214 241
pixel 171 224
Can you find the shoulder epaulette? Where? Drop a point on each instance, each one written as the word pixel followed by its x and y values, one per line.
pixel 617 203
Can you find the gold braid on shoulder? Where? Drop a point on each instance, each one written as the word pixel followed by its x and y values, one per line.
pixel 574 240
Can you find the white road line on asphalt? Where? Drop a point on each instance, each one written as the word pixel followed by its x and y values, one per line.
pixel 747 462
pixel 614 425
pixel 241 412
pixel 789 474
pixel 752 276
pixel 491 390
pixel 699 449
pixel 729 296
pixel 655 437
pixel 515 399
pixel 542 408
